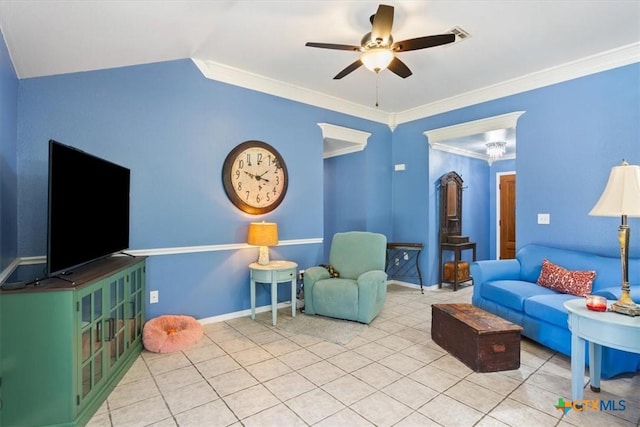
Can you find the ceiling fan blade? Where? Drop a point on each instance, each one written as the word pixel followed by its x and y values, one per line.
pixel 400 68
pixel 382 23
pixel 333 46
pixel 350 68
pixel 423 42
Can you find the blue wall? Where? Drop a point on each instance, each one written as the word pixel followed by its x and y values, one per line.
pixel 416 196
pixel 8 158
pixel 475 204
pixel 411 192
pixel 173 128
pixel 570 136
pixel 357 189
pixel 344 197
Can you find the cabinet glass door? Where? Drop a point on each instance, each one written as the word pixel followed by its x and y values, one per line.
pixel 135 305
pixel 91 336
pixel 116 322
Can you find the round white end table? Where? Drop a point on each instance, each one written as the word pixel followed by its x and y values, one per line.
pixel 275 272
pixel 607 329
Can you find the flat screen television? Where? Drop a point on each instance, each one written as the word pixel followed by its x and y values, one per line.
pixel 88 211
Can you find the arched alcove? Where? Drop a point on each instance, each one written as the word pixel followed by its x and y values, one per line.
pixel 470 138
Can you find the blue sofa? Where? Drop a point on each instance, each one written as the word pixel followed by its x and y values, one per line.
pixel 508 289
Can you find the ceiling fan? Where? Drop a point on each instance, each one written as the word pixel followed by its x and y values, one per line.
pixel 378 50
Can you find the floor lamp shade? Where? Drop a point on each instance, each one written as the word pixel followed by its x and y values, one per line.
pixel 263 234
pixel 621 197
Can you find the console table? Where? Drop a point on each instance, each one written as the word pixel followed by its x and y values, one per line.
pixel 457 249
pixel 607 329
pixel 403 261
pixel 273 273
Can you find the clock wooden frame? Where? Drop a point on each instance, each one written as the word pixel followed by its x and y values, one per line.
pixel 227 178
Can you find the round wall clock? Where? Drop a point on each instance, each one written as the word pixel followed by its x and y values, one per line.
pixel 255 178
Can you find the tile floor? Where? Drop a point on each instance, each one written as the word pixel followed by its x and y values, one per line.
pixel 248 373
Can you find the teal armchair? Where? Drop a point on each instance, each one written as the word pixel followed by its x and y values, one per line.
pixel 360 291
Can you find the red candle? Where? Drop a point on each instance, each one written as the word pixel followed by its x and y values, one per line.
pixel 596 303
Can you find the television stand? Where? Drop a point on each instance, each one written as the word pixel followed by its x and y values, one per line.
pixel 65 345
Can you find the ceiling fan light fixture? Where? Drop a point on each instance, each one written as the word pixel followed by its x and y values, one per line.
pixel 496 149
pixel 377 59
pixel 377 48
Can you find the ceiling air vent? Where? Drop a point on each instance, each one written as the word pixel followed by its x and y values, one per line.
pixel 460 34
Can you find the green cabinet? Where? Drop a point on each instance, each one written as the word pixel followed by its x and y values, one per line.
pixel 65 346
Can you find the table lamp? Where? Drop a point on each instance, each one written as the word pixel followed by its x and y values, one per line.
pixel 263 234
pixel 621 197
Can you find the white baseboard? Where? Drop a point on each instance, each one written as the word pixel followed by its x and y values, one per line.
pixel 410 285
pixel 266 308
pixel 242 313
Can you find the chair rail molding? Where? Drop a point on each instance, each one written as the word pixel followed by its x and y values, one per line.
pixel 340 140
pixel 42 259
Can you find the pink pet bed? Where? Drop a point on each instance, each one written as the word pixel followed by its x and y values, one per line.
pixel 169 333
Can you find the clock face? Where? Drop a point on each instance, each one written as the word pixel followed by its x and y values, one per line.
pixel 255 177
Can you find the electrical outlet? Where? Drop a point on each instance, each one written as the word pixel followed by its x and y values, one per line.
pixel 301 275
pixel 154 297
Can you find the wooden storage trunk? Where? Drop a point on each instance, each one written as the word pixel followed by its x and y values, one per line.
pixel 463 271
pixel 482 341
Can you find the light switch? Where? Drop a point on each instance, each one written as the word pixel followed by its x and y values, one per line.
pixel 544 218
pixel 400 167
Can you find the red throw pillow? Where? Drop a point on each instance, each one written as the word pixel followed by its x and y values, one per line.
pixel 566 281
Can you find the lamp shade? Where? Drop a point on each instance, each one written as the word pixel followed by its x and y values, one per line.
pixel 263 234
pixel 621 196
pixel 377 58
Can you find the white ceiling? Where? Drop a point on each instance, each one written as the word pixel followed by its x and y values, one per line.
pixel 263 42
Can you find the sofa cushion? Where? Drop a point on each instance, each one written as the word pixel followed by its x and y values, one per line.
pixel 608 267
pixel 549 308
pixel 560 279
pixel 336 298
pixel 512 293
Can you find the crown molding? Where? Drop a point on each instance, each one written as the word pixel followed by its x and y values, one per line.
pixel 469 153
pixel 237 77
pixel 456 150
pixel 503 121
pixel 603 61
pixel 488 124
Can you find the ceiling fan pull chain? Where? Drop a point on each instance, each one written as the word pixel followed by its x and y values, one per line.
pixel 377 80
